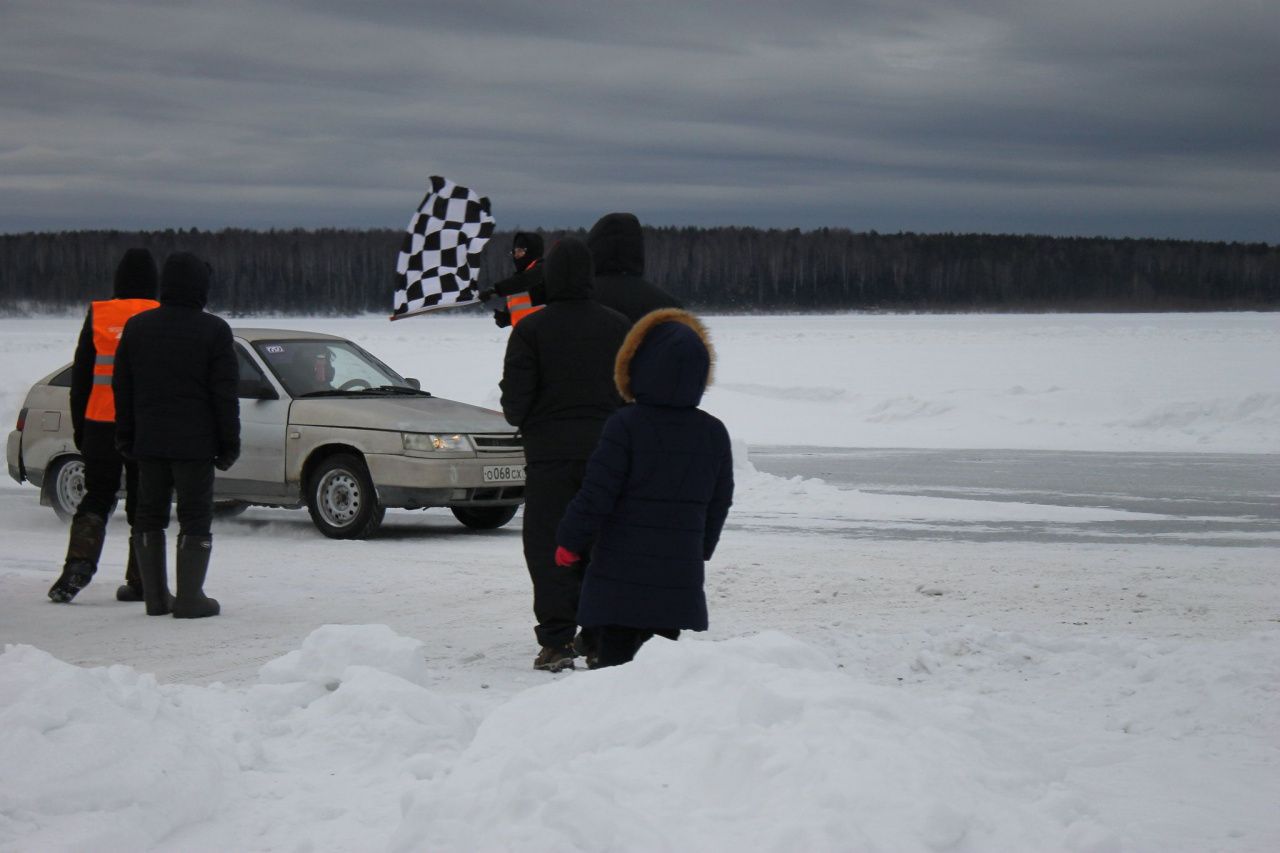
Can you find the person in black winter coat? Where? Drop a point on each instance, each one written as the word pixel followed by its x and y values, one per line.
pixel 656 493
pixel 557 387
pixel 523 292
pixel 178 414
pixel 94 429
pixel 617 251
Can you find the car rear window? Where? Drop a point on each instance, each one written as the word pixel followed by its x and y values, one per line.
pixel 63 379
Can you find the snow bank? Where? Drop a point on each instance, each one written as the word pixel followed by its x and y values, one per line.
pixel 100 758
pixel 315 753
pixel 990 740
pixel 755 744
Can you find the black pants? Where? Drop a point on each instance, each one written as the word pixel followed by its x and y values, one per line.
pixel 619 643
pixel 159 480
pixel 103 466
pixel 548 488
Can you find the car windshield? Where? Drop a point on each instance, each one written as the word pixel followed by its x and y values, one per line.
pixel 323 367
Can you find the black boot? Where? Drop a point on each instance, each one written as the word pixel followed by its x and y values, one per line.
pixel 149 552
pixel 131 589
pixel 84 547
pixel 193 565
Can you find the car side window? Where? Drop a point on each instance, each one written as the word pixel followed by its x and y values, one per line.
pixel 251 377
pixel 63 379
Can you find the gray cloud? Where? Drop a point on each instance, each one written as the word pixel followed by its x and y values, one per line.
pixel 1144 118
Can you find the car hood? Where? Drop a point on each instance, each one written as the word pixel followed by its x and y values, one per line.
pixel 400 414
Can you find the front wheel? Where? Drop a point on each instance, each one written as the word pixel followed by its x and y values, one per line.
pixel 64 484
pixel 341 498
pixel 484 517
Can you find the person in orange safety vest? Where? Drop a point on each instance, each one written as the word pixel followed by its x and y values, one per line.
pixel 93 420
pixel 524 290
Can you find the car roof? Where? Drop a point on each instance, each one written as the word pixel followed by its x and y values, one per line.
pixel 257 333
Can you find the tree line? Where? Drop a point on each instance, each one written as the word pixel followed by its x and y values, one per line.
pixel 344 271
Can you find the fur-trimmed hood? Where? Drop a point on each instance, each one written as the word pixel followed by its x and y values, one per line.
pixel 666 360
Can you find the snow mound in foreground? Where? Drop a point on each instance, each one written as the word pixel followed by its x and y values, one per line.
pixel 101 754
pixel 756 743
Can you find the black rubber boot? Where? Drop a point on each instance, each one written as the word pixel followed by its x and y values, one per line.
pixel 149 552
pixel 131 589
pixel 84 547
pixel 193 565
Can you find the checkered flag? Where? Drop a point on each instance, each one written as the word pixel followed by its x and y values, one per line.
pixel 439 261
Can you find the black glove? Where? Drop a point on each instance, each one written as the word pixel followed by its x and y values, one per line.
pixel 124 446
pixel 502 318
pixel 226 457
pixel 485 295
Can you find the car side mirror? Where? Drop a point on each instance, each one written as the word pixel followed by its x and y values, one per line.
pixel 256 389
pixel 413 383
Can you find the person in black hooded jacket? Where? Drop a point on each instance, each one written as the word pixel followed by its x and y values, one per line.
pixel 557 387
pixel 177 414
pixel 617 251
pixel 94 429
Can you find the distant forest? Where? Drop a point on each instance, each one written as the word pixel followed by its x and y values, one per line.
pixel 342 272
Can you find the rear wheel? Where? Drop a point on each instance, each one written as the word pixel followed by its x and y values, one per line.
pixel 341 498
pixel 484 517
pixel 64 484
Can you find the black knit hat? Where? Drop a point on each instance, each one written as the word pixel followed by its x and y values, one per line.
pixel 136 276
pixel 530 241
pixel 184 281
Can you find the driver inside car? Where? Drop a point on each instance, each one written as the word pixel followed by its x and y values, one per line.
pixel 307 370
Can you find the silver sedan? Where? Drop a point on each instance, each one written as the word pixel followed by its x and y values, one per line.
pixel 325 425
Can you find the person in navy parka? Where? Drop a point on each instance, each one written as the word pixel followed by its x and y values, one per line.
pixel 656 493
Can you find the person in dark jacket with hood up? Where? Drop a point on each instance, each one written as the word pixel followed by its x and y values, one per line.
pixel 523 292
pixel 557 387
pixel 177 414
pixel 93 424
pixel 617 251
pixel 656 493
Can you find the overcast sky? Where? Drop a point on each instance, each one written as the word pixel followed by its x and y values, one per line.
pixel 1113 117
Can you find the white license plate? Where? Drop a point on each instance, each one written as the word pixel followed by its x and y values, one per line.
pixel 504 473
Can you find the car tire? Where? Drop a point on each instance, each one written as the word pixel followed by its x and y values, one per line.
pixel 342 500
pixel 484 517
pixel 64 485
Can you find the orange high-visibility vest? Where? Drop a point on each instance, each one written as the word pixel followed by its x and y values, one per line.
pixel 109 316
pixel 521 305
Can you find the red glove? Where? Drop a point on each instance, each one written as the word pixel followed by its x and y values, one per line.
pixel 565 557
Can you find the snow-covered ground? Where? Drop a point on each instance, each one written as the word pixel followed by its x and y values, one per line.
pixel 851 694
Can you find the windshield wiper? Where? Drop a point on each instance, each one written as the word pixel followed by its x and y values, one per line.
pixel 401 389
pixel 379 390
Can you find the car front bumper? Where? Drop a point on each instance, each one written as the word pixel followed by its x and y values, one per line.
pixel 416 482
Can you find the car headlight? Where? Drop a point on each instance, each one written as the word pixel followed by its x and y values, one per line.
pixel 430 442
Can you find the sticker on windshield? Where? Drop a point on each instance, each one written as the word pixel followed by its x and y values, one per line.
pixel 274 349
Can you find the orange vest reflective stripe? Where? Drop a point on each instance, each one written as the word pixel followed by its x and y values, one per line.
pixel 109 316
pixel 520 306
